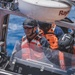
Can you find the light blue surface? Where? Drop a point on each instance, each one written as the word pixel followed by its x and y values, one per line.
pixel 15 29
pixel 15 32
